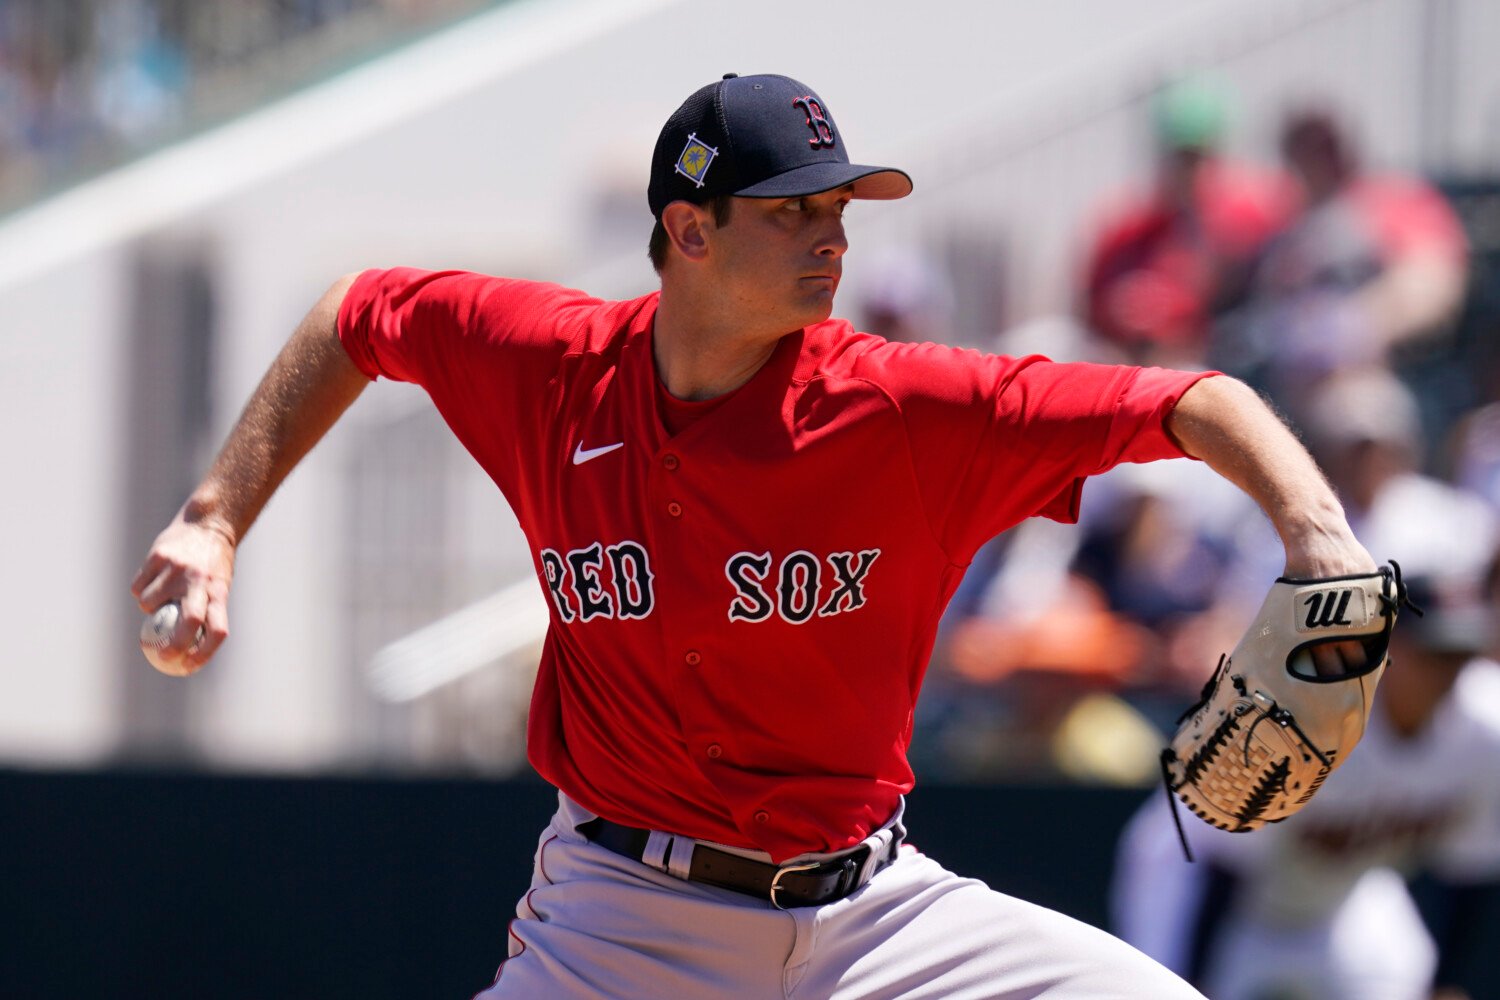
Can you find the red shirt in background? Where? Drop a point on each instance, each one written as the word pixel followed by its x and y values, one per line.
pixel 1155 274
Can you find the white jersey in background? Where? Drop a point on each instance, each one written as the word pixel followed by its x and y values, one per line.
pixel 1317 907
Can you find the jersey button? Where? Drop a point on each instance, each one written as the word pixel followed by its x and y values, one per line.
pixel 670 462
pixel 693 657
pixel 674 508
pixel 761 816
pixel 715 751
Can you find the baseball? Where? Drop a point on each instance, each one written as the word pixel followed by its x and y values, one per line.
pixel 156 632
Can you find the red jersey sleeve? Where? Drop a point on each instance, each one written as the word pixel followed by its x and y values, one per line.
pixel 995 440
pixel 439 329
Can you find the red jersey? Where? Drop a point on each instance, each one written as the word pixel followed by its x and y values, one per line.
pixel 741 612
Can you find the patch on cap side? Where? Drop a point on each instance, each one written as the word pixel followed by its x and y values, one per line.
pixel 695 160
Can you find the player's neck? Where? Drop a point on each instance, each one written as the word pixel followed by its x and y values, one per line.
pixel 700 355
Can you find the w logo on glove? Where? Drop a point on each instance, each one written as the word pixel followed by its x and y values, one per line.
pixel 1327 608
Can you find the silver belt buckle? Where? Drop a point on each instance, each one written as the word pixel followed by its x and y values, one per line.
pixel 776 879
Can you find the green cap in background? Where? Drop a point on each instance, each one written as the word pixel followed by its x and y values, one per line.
pixel 1190 114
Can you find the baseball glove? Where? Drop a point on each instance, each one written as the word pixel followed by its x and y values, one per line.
pixel 1268 729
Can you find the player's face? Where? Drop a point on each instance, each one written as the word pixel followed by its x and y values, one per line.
pixel 780 259
pixel 1417 681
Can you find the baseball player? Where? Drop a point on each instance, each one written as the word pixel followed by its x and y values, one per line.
pixel 746 518
pixel 1317 908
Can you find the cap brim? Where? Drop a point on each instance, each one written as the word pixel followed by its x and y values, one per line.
pixel 877 183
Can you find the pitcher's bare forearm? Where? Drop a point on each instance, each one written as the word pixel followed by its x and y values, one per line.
pixel 1223 422
pixel 311 382
pixel 304 392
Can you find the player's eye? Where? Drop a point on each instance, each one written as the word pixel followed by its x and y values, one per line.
pixel 793 205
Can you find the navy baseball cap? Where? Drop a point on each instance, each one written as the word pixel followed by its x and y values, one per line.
pixel 758 137
pixel 1456 617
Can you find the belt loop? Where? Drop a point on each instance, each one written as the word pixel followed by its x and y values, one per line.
pixel 680 857
pixel 883 846
pixel 655 854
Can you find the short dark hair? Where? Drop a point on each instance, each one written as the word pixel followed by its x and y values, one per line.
pixel 657 248
pixel 1317 132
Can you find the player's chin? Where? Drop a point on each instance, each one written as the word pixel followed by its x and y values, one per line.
pixel 816 297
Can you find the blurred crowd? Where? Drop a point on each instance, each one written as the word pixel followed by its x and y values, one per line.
pixel 1354 301
pixel 85 84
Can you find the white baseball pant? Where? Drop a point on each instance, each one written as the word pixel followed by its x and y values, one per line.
pixel 597 925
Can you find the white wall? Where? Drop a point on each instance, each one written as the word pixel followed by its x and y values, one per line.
pixel 58 390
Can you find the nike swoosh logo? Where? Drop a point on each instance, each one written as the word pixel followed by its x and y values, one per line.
pixel 583 454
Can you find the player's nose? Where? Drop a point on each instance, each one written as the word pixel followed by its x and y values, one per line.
pixel 831 239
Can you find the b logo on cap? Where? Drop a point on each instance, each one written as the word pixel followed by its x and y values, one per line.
pixel 821 129
pixel 695 159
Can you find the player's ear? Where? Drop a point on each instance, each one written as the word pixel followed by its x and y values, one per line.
pixel 687 226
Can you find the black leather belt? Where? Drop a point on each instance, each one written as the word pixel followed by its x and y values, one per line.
pixel 810 884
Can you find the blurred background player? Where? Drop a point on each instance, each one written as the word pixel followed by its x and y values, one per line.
pixel 1365 428
pixel 1370 262
pixel 1165 264
pixel 906 295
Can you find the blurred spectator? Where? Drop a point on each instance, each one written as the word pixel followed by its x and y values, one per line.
pixel 1364 428
pixel 1071 650
pixel 1059 336
pixel 1157 545
pixel 1477 462
pixel 905 295
pixel 1316 907
pixel 1169 584
pixel 1371 261
pixel 87 83
pixel 1165 264
pixel 140 77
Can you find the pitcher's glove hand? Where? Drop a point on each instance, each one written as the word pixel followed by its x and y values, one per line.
pixel 1269 728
